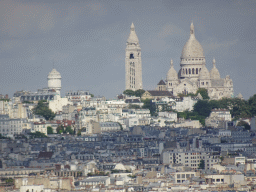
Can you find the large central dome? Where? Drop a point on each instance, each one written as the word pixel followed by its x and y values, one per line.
pixel 192 48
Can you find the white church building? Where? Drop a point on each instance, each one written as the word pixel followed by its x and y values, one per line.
pixel 193 73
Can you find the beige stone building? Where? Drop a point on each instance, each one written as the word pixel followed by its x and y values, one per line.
pixel 193 73
pixel 133 68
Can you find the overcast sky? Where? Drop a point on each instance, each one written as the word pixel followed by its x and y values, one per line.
pixel 86 40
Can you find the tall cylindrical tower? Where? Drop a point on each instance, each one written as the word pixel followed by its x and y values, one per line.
pixel 54 80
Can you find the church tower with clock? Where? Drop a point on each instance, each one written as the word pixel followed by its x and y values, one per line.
pixel 133 68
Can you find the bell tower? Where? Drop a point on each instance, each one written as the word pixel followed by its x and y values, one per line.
pixel 133 68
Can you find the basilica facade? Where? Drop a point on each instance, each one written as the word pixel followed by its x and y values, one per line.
pixel 193 73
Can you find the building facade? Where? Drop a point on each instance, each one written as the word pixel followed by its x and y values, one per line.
pixel 133 68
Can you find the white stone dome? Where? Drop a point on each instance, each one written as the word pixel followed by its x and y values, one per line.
pixel 133 37
pixel 204 73
pixel 192 48
pixel 214 72
pixel 172 74
pixel 54 74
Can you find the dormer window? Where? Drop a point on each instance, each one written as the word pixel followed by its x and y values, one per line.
pixel 131 56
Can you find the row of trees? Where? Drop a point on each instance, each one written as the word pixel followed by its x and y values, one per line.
pixel 137 93
pixel 239 108
pixel 60 129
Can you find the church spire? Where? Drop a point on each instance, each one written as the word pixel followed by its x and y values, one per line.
pixel 171 63
pixel 133 37
pixel 192 29
pixel 132 26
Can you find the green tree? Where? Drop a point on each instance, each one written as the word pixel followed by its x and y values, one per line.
pixel 80 130
pixel 60 129
pixel 201 164
pixel 49 130
pixel 37 134
pixel 43 110
pixel 203 108
pixel 129 92
pixel 139 92
pixel 244 124
pixel 203 92
pixel 252 104
pixel 69 130
pixel 147 104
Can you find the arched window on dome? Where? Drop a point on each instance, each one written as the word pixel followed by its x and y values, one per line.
pixel 131 56
pixel 183 71
pixel 186 71
pixel 193 71
pixel 196 70
pixel 189 71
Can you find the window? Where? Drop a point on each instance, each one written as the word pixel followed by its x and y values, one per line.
pixel 131 56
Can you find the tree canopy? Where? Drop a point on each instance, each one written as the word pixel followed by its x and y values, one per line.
pixel 201 164
pixel 203 92
pixel 49 130
pixel 239 108
pixel 37 134
pixel 61 129
pixel 137 93
pixel 43 110
pixel 244 124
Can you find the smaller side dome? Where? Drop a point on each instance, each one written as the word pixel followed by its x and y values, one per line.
pixel 240 96
pixel 172 74
pixel 214 72
pixel 204 73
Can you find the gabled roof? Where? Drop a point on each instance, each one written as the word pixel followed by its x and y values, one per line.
pixel 161 83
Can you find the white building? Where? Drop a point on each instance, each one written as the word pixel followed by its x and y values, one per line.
pixel 40 127
pixel 110 126
pixel 78 96
pixel 54 80
pixel 170 115
pixel 217 116
pixel 133 67
pixel 10 126
pixel 58 102
pixel 185 103
pixel 193 73
pixel 191 158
